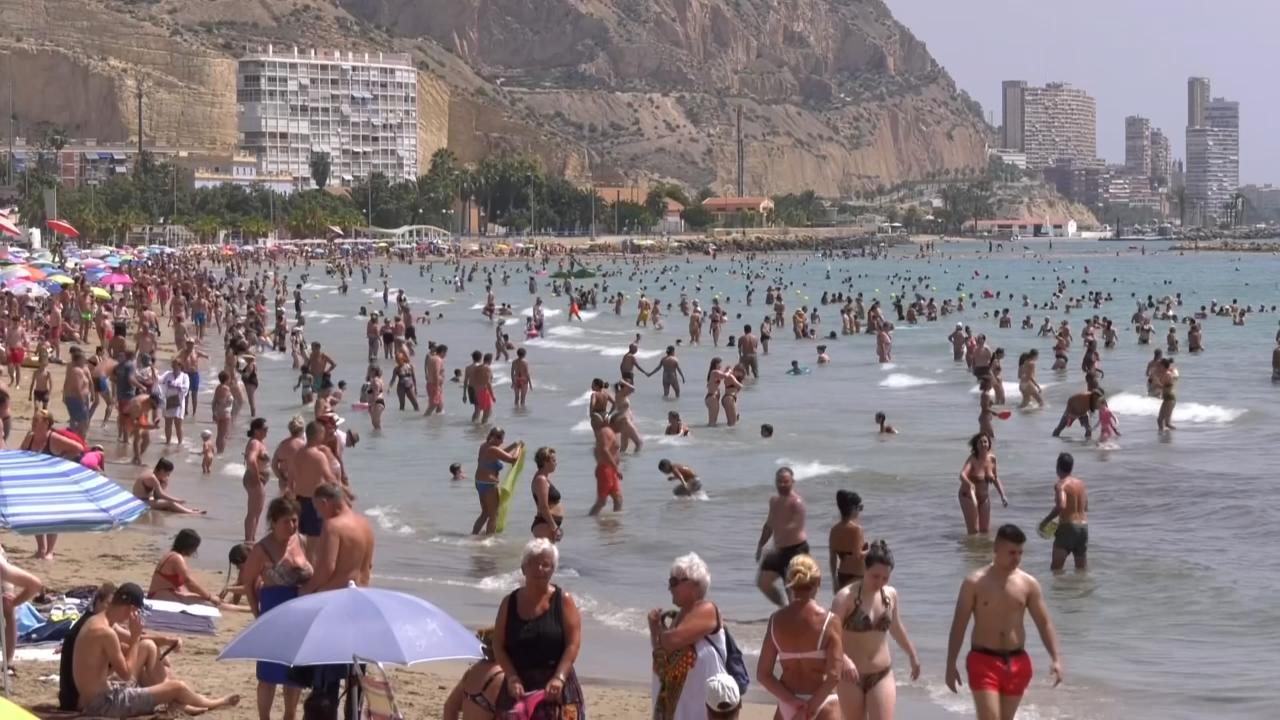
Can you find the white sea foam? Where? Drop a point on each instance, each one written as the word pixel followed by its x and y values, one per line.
pixel 566 331
pixel 581 400
pixel 1011 389
pixel 546 312
pixel 604 350
pixel 804 470
pixel 889 366
pixel 317 286
pixel 388 518
pixel 899 381
pixel 1133 405
pixel 582 428
pixel 233 469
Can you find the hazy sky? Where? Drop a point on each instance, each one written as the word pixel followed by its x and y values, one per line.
pixel 1133 56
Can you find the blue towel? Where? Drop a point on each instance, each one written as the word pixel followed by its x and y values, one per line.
pixel 28 618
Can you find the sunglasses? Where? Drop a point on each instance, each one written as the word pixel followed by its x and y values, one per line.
pixel 674 582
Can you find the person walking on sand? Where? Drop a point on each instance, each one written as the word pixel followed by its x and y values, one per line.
pixel 785 526
pixel 1071 508
pixel 997 597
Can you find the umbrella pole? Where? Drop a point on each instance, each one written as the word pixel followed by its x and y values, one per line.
pixel 4 650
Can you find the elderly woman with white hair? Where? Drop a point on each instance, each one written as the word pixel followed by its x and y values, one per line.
pixel 536 638
pixel 682 662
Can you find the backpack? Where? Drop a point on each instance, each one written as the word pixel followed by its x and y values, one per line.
pixel 734 665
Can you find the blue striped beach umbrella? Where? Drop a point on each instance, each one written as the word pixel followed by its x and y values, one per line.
pixel 44 494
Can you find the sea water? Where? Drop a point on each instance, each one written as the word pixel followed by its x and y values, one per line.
pixel 1177 616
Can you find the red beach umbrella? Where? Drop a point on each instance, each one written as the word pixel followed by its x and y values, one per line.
pixel 6 225
pixel 64 227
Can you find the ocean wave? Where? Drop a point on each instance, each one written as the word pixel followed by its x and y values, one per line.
pixel 886 367
pixel 604 350
pixel 805 470
pixel 466 541
pixel 274 356
pixel 581 400
pixel 323 317
pixel 899 381
pixel 388 518
pixel 233 469
pixel 1011 389
pixel 668 440
pixel 566 331
pixel 546 313
pixel 1134 405
pixel 582 428
pixel 317 286
pixel 588 314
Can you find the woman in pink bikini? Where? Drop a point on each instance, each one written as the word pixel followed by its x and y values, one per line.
pixel 813 657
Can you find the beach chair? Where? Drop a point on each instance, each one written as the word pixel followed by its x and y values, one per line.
pixel 379 698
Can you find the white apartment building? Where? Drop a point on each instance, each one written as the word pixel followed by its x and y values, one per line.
pixel 1213 170
pixel 1161 158
pixel 1059 121
pixel 359 108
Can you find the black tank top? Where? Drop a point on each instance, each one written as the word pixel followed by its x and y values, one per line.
pixel 535 646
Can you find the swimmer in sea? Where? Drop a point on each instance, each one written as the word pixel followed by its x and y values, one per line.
pixel 1275 363
pixel 766 431
pixel 796 369
pixel 682 474
pixel 823 357
pixel 884 427
pixel 676 426
pixel 785 526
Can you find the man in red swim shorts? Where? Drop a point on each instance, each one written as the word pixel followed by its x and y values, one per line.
pixel 608 477
pixel 997 596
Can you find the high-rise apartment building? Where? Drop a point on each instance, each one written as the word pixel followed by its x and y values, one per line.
pixel 1213 151
pixel 1059 121
pixel 359 108
pixel 1161 158
pixel 1137 146
pixel 1011 114
pixel 1197 101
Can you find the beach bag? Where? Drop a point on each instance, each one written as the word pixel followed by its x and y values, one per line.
pixel 734 665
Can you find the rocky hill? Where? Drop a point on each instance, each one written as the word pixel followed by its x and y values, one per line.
pixel 834 95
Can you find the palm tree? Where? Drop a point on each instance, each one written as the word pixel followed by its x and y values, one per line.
pixel 320 166
pixel 205 227
pixel 255 227
pixel 126 220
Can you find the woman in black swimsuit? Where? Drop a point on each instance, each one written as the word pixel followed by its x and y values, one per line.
pixel 847 546
pixel 249 376
pixel 482 688
pixel 549 514
pixel 978 473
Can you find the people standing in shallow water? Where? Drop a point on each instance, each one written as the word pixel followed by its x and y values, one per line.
pixel 978 474
pixel 846 542
pixel 1167 377
pixel 1027 383
pixel 785 526
pixel 997 597
pixel 488 475
pixel 868 613
pixel 1071 509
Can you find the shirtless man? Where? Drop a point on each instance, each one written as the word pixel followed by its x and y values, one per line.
pixel 103 672
pixel 152 488
pixel 747 348
pixel 997 596
pixel 1071 508
pixel 77 393
pixel 630 364
pixel 981 358
pixel 686 476
pixel 672 375
pixel 320 365
pixel 309 471
pixel 481 386
pixel 608 472
pixel 189 360
pixel 785 525
pixel 15 343
pixel 957 339
pixel 433 373
pixel 286 451
pixel 1078 408
pixel 344 551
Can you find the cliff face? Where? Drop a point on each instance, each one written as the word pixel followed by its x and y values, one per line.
pixel 834 95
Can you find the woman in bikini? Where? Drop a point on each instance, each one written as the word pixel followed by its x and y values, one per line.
pixel 172 579
pixel 978 473
pixel 732 386
pixel 712 399
pixel 257 471
pixel 628 435
pixel 986 404
pixel 482 688
pixel 1166 378
pixel 814 655
pixel 223 404
pixel 521 380
pixel 601 400
pixel 487 476
pixel 377 398
pixel 1027 384
pixel 868 611
pixel 997 383
pixel 845 540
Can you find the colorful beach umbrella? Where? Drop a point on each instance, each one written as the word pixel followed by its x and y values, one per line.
pixel 42 494
pixel 6 225
pixel 60 279
pixel 92 262
pixel 27 288
pixel 115 279
pixel 332 627
pixel 34 273
pixel 100 293
pixel 64 227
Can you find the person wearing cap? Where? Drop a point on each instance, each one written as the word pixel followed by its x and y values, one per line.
pixel 691 648
pixel 724 702
pixel 957 338
pixel 100 663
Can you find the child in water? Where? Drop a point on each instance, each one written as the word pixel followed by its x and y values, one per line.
pixel 1107 421
pixel 683 474
pixel 885 428
pixel 676 426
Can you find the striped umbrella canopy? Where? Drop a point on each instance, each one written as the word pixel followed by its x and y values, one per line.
pixel 43 494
